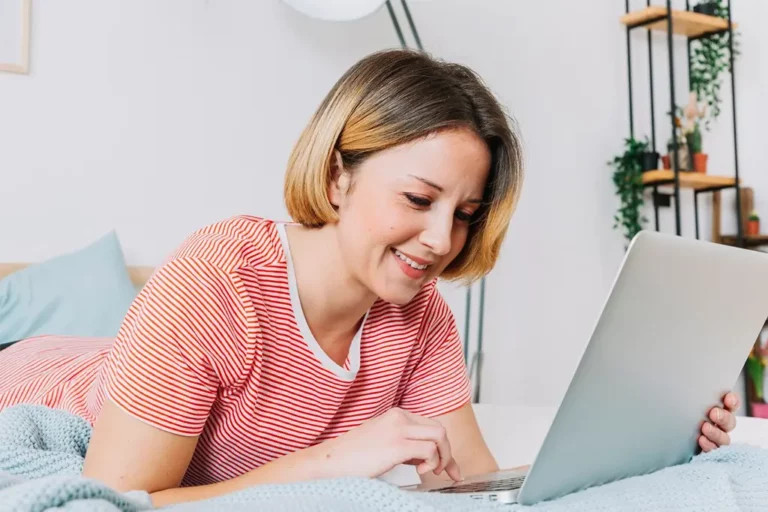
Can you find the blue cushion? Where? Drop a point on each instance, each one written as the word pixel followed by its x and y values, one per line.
pixel 84 293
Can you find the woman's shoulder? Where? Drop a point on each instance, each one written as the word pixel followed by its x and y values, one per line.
pixel 233 243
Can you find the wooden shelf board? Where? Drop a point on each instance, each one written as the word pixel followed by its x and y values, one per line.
pixel 685 23
pixel 749 240
pixel 694 180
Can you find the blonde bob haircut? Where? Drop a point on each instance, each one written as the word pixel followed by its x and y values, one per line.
pixel 393 97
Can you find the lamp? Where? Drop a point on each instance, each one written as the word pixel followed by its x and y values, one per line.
pixel 336 10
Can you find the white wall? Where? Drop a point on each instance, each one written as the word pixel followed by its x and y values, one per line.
pixel 560 81
pixel 156 117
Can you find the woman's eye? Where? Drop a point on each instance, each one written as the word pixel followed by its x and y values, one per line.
pixel 464 216
pixel 418 201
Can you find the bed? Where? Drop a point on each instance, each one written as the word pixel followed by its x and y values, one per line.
pixel 513 434
pixel 85 292
pixel 139 275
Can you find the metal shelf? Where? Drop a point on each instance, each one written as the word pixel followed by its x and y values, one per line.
pixel 684 23
pixel 693 180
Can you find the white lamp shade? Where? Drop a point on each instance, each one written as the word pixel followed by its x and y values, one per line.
pixel 336 10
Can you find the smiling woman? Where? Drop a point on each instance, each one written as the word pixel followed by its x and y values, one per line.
pixel 266 351
pixel 405 213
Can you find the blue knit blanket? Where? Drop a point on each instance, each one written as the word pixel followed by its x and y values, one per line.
pixel 42 450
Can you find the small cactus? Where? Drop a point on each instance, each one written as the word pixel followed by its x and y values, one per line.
pixel 694 139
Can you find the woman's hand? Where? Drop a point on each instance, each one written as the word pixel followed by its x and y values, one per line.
pixel 370 450
pixel 715 434
pixel 380 444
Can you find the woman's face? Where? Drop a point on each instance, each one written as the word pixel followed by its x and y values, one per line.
pixel 407 213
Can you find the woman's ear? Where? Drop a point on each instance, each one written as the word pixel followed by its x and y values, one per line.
pixel 339 184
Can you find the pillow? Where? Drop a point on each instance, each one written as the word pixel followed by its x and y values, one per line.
pixel 84 293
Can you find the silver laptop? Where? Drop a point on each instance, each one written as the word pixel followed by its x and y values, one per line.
pixel 672 338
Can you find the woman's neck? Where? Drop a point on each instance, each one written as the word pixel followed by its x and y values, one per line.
pixel 332 300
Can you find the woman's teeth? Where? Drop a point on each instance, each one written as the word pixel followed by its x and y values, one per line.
pixel 409 261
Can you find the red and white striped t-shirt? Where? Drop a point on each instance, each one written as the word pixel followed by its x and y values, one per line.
pixel 216 345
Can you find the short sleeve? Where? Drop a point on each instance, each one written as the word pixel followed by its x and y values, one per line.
pixel 439 384
pixel 178 346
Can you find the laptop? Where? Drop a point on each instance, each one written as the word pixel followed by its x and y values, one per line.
pixel 673 335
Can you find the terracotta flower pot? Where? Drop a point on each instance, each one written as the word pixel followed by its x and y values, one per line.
pixel 700 162
pixel 753 227
pixel 666 161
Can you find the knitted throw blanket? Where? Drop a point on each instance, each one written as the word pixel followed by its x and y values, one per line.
pixel 41 456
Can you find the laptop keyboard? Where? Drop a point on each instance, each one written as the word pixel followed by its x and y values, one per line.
pixel 507 484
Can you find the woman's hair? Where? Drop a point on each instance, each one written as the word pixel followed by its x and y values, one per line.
pixel 397 96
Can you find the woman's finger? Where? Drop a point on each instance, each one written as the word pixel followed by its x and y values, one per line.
pixel 453 471
pixel 706 444
pixel 422 453
pixel 430 429
pixel 436 434
pixel 714 434
pixel 731 401
pixel 723 419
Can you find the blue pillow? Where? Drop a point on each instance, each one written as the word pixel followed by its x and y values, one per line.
pixel 84 293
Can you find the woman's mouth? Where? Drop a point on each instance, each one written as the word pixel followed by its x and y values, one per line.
pixel 409 264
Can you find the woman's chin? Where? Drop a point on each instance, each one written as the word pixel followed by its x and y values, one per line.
pixel 399 294
pixel 398 299
pixel 396 286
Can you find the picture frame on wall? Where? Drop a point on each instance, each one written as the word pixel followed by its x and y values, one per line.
pixel 14 35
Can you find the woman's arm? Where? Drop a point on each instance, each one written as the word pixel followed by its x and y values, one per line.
pixel 467 444
pixel 128 454
pixel 301 465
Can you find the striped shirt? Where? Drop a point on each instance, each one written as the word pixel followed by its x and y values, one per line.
pixel 216 345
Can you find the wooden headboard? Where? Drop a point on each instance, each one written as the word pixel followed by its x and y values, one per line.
pixel 139 275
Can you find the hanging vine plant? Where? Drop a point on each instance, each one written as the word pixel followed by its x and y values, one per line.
pixel 628 179
pixel 710 57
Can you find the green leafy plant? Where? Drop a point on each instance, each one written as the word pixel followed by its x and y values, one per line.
pixel 628 179
pixel 755 368
pixel 756 371
pixel 710 57
pixel 754 216
pixel 694 139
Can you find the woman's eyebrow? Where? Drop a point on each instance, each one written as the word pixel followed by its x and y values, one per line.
pixel 439 188
pixel 427 182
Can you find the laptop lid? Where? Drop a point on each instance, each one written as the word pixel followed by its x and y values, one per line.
pixel 672 338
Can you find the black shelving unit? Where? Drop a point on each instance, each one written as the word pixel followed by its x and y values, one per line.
pixel 659 17
pixel 664 19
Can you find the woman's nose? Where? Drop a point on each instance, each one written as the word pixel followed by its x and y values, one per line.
pixel 437 235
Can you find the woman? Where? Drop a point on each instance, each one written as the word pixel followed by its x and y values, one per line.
pixel 274 352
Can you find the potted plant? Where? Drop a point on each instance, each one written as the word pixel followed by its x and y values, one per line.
pixel 755 368
pixel 649 159
pixel 709 58
pixel 694 145
pixel 708 7
pixel 693 113
pixel 628 180
pixel 753 224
